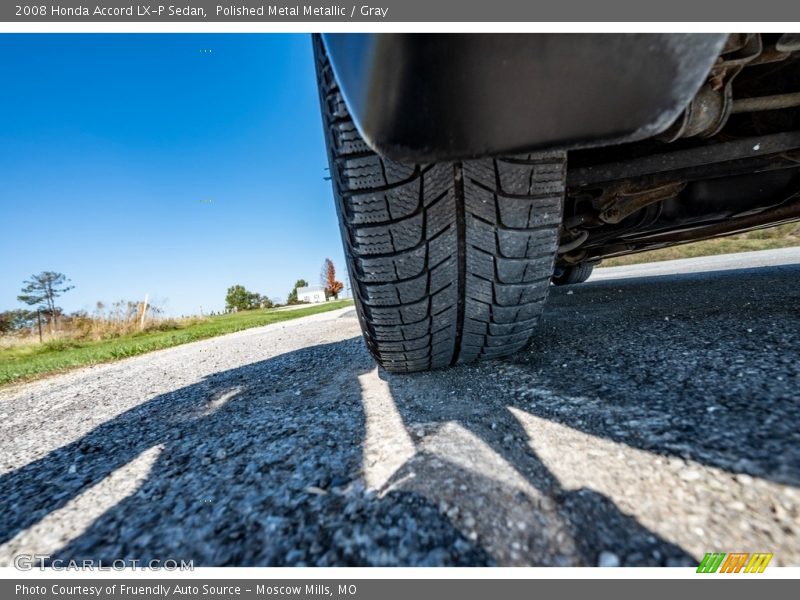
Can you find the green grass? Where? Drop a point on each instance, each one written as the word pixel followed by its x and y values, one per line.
pixel 782 236
pixel 27 361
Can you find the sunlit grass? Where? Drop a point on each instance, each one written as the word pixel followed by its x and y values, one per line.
pixel 28 360
pixel 782 236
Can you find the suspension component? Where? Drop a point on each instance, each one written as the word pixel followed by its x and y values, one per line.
pixel 708 112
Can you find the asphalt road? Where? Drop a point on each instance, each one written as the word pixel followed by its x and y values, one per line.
pixel 655 418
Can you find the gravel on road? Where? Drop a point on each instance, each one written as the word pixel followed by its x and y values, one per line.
pixel 654 418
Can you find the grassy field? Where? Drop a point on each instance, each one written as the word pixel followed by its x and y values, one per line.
pixel 781 236
pixel 25 361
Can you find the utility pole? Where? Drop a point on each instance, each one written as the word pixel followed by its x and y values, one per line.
pixel 144 310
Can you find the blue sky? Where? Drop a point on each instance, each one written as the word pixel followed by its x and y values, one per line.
pixel 173 165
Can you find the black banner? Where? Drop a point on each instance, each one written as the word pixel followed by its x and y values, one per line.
pixel 400 11
pixel 383 589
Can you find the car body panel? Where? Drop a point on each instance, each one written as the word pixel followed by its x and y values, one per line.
pixel 420 98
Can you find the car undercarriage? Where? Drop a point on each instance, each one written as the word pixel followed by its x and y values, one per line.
pixel 730 163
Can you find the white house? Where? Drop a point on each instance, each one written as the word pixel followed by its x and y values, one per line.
pixel 312 293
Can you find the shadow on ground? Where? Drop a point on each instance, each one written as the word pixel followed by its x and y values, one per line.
pixel 265 464
pixel 705 366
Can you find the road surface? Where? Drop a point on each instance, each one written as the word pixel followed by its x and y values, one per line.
pixel 655 418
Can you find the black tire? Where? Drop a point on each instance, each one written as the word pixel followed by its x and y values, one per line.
pixel 574 274
pixel 449 262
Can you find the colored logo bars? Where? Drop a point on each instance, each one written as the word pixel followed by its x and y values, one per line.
pixel 714 562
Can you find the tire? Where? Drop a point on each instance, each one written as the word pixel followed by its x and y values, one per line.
pixel 574 274
pixel 449 262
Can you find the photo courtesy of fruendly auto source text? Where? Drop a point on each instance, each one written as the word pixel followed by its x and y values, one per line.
pixel 399 299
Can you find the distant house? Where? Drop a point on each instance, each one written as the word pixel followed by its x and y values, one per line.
pixel 312 293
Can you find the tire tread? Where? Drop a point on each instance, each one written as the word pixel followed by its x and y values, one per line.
pixel 422 303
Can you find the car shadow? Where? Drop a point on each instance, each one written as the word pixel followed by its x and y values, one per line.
pixel 703 366
pixel 258 465
pixel 266 464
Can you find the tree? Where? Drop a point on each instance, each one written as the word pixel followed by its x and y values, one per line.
pixel 42 290
pixel 14 320
pixel 238 298
pixel 328 279
pixel 292 299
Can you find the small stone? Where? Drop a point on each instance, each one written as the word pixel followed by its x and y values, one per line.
pixel 691 475
pixel 607 559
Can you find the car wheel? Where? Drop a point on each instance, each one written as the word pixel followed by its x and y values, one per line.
pixel 573 274
pixel 449 262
